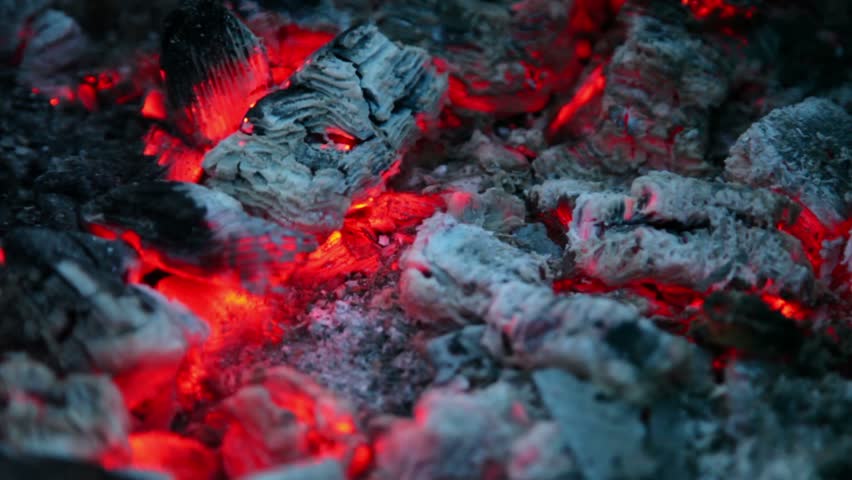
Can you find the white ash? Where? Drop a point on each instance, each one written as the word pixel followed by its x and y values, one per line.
pixel 494 210
pixel 593 337
pixel 292 167
pixel 804 151
pixel 453 436
pixel 450 271
pixel 460 354
pixel 203 232
pixel 80 416
pixel 710 241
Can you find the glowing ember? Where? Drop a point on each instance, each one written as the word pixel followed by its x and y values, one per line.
pixel 183 458
pixel 591 87
pixel 720 9
pixel 154 106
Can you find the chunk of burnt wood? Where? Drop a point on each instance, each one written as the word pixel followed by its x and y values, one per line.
pixel 690 232
pixel 305 152
pixel 214 67
pixel 195 231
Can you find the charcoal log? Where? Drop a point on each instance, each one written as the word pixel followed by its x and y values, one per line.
pixel 305 152
pixel 596 338
pixel 661 86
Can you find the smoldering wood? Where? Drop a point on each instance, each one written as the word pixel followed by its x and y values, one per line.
pixel 202 232
pixel 292 167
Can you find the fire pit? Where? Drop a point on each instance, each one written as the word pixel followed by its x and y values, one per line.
pixel 414 240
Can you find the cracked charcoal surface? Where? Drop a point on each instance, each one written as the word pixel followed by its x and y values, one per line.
pixel 700 234
pixel 661 84
pixel 292 168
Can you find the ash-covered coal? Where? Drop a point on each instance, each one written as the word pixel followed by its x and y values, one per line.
pixel 306 152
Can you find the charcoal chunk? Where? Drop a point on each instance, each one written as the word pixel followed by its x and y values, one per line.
pixel 690 232
pixel 80 320
pixel 79 416
pixel 804 151
pixel 305 152
pixel 200 232
pixel 450 271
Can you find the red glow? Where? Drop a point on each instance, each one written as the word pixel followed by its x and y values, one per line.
pixel 2 256
pixel 182 161
pixel 289 46
pixel 237 319
pixel 54 102
pixel 373 229
pixel 592 87
pixel 812 233
pixel 154 106
pixel 788 308
pixel 703 9
pixel 341 140
pixel 224 98
pixel 564 213
pixel 183 458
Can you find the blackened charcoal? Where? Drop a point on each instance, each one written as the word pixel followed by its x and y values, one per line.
pixel 201 232
pixel 79 416
pixel 742 321
pixel 44 247
pixel 18 466
pixel 214 66
pixel 307 151
pixel 804 151
pixel 695 233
